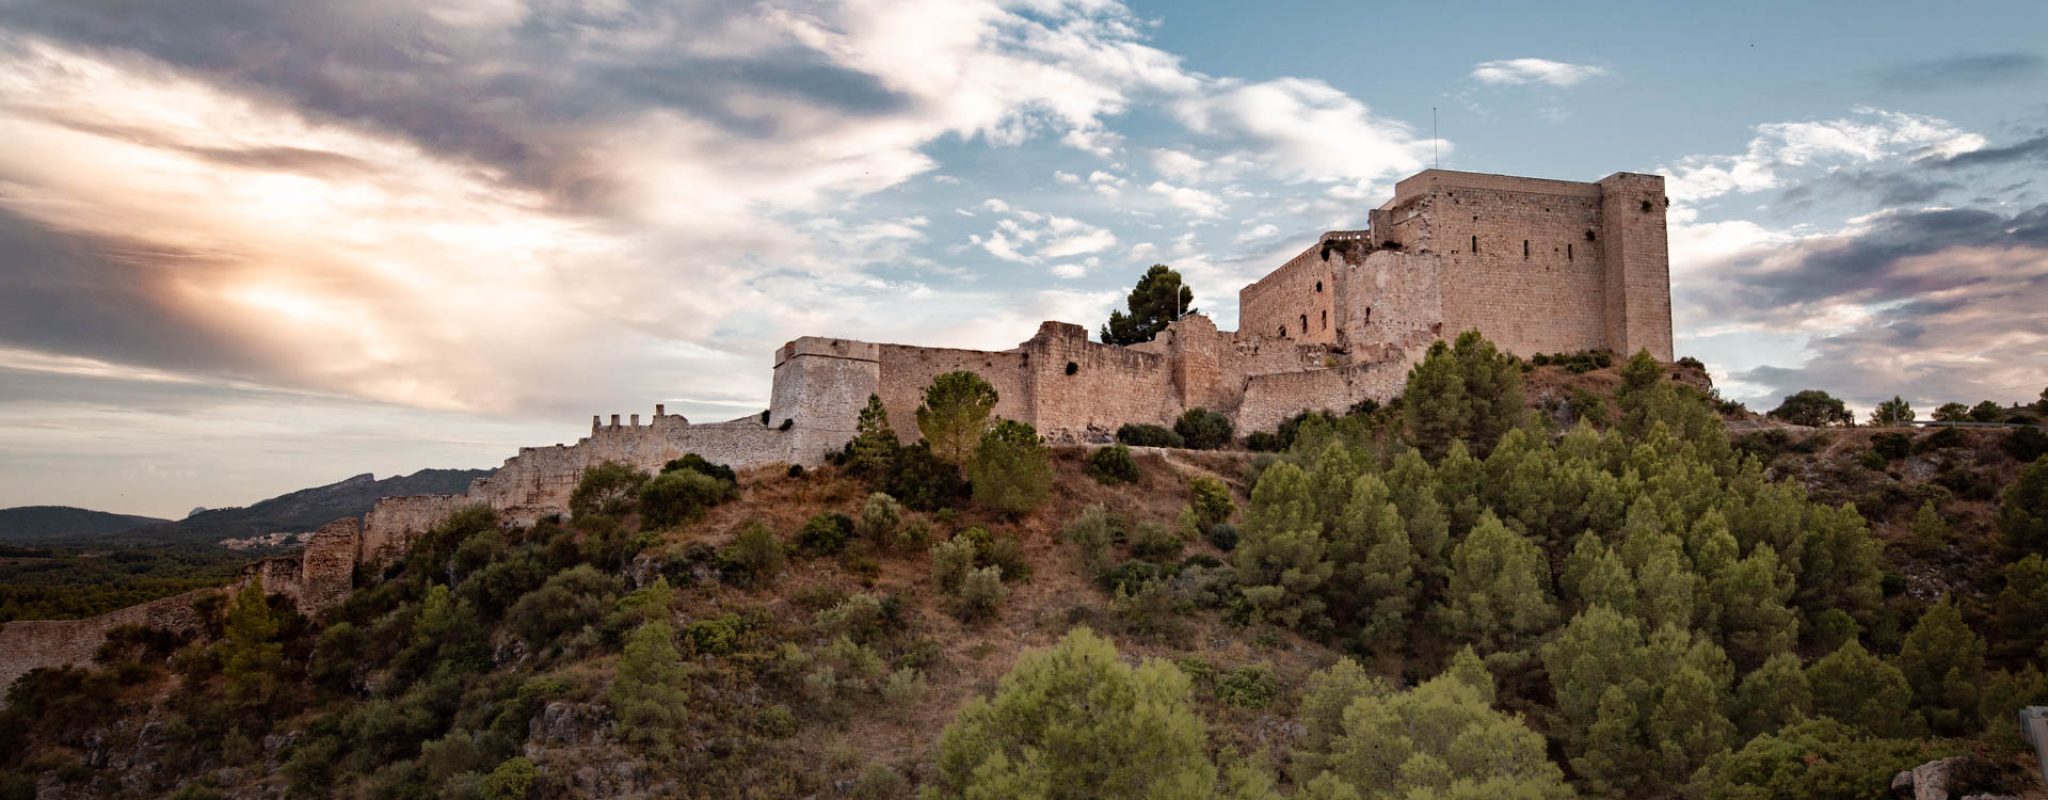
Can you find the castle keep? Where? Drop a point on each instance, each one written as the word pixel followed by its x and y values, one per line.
pixel 1538 266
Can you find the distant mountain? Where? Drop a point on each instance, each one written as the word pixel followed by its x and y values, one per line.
pixel 303 510
pixel 49 523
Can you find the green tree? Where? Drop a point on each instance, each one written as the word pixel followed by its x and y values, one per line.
pixel 1640 714
pixel 955 414
pixel 1440 739
pixel 1012 470
pixel 1892 413
pixel 648 693
pixel 1814 409
pixel 874 441
pixel 673 498
pixel 1943 660
pixel 1202 429
pixel 607 488
pixel 511 780
pixel 1158 299
pixel 2023 511
pixel 1281 561
pixel 2022 607
pixel 1929 533
pixel 1499 590
pixel 1750 617
pixel 1775 695
pixel 1818 759
pixel 250 655
pixel 1074 721
pixel 1857 689
pixel 1464 391
pixel 1987 411
pixel 1952 412
pixel 1324 698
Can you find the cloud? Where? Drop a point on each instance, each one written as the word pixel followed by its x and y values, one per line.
pixel 1177 164
pixel 1870 135
pixel 1303 130
pixel 1522 71
pixel 1961 72
pixel 1194 201
pixel 1044 236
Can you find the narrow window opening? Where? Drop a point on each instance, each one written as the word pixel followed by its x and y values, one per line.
pixel 1475 244
pixel 1319 286
pixel 1368 315
pixel 1326 320
pixel 1283 331
pixel 1304 323
pixel 1567 251
pixel 1525 249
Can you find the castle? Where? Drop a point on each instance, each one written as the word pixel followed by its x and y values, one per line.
pixel 1536 265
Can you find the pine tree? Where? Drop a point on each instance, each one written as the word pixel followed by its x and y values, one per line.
pixel 1440 739
pixel 1594 575
pixel 1321 716
pixel 2022 606
pixel 1281 561
pixel 1012 470
pixel 1158 299
pixel 647 693
pixel 1929 531
pixel 874 441
pixel 1750 616
pixel 1892 413
pixel 1499 591
pixel 249 653
pixel 1857 689
pixel 1943 660
pixel 1075 722
pixel 955 414
pixel 1465 391
pixel 1775 695
pixel 1639 714
pixel 2023 511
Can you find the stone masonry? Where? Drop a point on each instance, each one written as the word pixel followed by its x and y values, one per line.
pixel 1538 266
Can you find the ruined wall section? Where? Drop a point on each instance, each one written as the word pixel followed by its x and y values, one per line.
pixel 538 481
pixel 31 644
pixel 1271 399
pixel 1636 290
pixel 1392 304
pixel 396 522
pixel 1083 390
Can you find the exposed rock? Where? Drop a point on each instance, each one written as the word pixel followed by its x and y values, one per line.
pixel 565 724
pixel 1928 781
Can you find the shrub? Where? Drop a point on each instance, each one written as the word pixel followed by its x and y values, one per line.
pixel 776 722
pixel 1151 610
pixel 605 489
pixel 1987 411
pixel 1264 442
pixel 1249 686
pixel 513 779
pixel 1212 501
pixel 879 782
pixel 1090 534
pixel 1892 413
pixel 922 480
pixel 678 496
pixel 982 593
pixel 1892 446
pixel 825 534
pixel 1005 552
pixel 692 461
pixel 2023 511
pixel 859 617
pixel 1012 470
pixel 1224 536
pixel 1812 408
pixel 714 636
pixel 951 561
pixel 1941 439
pixel 753 558
pixel 881 517
pixel 1147 435
pixel 2025 445
pixel 1152 542
pixel 1113 464
pixel 1203 429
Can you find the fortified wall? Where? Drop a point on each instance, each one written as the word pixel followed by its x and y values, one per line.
pixel 1538 266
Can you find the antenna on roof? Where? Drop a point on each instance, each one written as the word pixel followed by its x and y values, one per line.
pixel 1435 163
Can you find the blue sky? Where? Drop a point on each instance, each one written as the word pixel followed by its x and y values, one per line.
pixel 249 247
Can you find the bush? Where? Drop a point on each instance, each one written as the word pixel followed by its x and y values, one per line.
pixel 982 593
pixel 1812 408
pixel 753 558
pixel 776 722
pixel 1091 534
pixel 1941 439
pixel 1113 464
pixel 1152 542
pixel 1892 446
pixel 1224 536
pixel 1203 429
pixel 1146 435
pixel 951 561
pixel 825 534
pixel 921 480
pixel 881 517
pixel 1249 686
pixel 513 779
pixel 605 489
pixel 859 618
pixel 1012 470
pixel 692 461
pixel 678 496
pixel 1212 501
pixel 1264 442
pixel 2026 445
pixel 714 636
pixel 879 782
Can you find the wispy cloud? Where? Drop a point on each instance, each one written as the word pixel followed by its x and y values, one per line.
pixel 1521 71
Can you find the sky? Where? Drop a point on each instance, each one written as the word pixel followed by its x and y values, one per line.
pixel 249 246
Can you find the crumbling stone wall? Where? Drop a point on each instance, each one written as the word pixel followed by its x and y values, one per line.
pixel 395 522
pixel 539 480
pixel 32 644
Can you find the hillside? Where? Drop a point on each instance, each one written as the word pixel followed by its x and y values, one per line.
pixel 302 510
pixel 1654 608
pixel 35 524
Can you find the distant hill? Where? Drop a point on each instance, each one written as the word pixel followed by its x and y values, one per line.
pixel 48 523
pixel 303 510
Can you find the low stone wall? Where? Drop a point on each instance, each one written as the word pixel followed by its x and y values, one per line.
pixel 31 644
pixel 1271 399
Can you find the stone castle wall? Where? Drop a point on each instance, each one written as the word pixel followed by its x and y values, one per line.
pixel 1298 300
pixel 38 643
